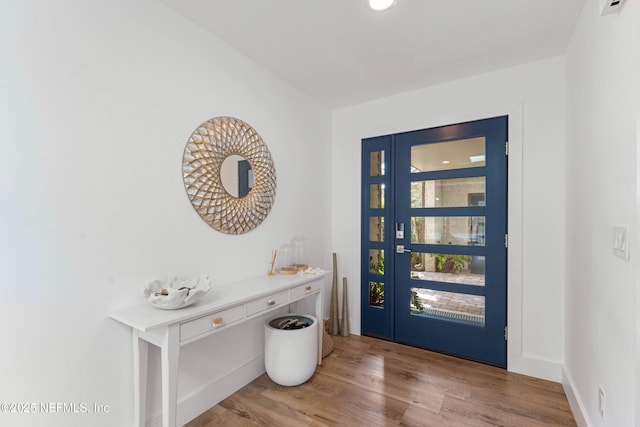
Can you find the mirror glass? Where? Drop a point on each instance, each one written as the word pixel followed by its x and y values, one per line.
pixel 236 176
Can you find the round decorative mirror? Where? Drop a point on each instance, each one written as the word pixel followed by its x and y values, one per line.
pixel 229 175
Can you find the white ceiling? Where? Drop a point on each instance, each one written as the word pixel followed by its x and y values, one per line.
pixel 341 53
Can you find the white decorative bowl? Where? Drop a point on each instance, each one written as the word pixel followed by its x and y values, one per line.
pixel 176 293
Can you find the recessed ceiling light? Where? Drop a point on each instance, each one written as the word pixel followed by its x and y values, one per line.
pixel 446 162
pixel 475 159
pixel 381 4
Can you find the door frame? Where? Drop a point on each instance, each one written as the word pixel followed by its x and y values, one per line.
pixel 516 360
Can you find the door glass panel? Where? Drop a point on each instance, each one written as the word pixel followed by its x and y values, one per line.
pixel 447 305
pixel 376 196
pixel 376 261
pixel 376 294
pixel 376 162
pixel 461 269
pixel 448 193
pixel 463 153
pixel 448 230
pixel 376 228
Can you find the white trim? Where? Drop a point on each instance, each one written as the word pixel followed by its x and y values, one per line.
pixel 517 360
pixel 539 368
pixel 576 404
pixel 514 254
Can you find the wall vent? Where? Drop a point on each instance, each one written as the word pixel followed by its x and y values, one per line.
pixel 611 6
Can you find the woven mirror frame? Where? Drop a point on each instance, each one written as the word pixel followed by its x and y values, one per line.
pixel 207 148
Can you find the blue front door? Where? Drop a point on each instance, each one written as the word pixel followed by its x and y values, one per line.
pixel 434 239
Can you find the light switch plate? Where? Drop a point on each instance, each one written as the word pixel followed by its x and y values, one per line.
pixel 621 241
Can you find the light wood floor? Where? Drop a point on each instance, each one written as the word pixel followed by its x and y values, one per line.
pixel 370 382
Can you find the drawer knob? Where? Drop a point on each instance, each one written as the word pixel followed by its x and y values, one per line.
pixel 308 289
pixel 217 321
pixel 271 302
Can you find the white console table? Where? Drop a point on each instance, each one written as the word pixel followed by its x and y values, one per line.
pixel 223 307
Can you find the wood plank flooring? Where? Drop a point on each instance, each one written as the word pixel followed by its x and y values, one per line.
pixel 370 382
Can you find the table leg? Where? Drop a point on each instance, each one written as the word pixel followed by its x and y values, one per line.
pixel 320 320
pixel 170 353
pixel 140 359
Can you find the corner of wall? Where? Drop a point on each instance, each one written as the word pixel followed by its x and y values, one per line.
pixel 577 407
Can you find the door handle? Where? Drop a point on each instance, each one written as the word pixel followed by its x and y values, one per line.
pixel 401 250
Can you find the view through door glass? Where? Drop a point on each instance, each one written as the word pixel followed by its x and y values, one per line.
pixel 430 227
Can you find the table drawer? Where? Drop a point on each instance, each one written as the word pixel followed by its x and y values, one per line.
pixel 210 322
pixel 258 305
pixel 302 290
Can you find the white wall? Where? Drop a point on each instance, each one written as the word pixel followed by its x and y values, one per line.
pixel 602 139
pixel 98 100
pixel 533 96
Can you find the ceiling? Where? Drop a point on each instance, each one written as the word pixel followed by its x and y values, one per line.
pixel 342 53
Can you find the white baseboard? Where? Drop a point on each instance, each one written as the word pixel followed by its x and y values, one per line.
pixel 211 394
pixel 544 369
pixel 577 407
